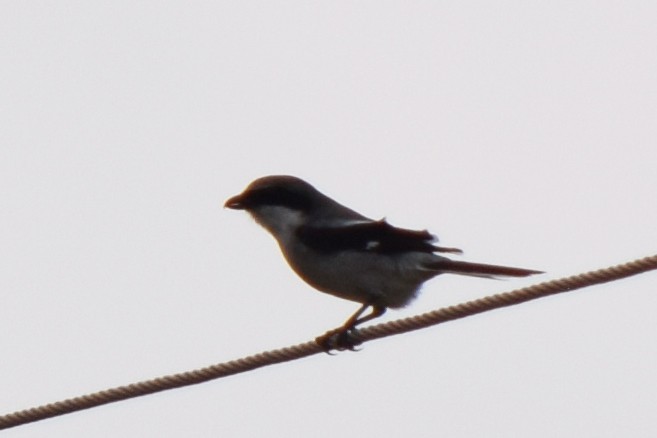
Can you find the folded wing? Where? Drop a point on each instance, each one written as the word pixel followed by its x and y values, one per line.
pixel 372 236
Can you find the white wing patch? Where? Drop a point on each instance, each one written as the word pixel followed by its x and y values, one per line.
pixel 372 244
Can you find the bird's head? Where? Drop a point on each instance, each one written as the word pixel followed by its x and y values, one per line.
pixel 277 202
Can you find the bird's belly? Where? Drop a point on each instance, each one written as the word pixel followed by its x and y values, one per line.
pixel 360 276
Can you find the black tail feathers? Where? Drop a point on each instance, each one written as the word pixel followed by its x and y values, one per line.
pixel 480 269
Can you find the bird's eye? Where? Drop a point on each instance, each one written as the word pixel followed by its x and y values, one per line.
pixel 279 196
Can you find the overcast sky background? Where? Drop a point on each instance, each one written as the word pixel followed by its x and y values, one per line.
pixel 523 132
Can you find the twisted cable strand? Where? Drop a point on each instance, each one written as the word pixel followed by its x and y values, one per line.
pixel 540 290
pixel 309 348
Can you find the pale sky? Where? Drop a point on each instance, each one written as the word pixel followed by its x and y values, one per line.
pixel 522 132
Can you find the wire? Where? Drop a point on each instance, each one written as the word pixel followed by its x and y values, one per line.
pixel 287 354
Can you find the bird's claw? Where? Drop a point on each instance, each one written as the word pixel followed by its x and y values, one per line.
pixel 340 340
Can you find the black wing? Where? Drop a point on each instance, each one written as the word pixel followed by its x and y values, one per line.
pixel 375 236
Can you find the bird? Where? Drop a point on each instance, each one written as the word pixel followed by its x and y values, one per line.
pixel 343 253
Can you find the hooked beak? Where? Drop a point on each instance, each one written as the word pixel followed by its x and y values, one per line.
pixel 235 203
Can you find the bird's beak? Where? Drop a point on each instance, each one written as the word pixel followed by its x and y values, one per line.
pixel 235 203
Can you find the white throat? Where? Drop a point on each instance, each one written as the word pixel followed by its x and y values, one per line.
pixel 281 222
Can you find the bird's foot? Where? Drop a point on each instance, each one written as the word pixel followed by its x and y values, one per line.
pixel 339 339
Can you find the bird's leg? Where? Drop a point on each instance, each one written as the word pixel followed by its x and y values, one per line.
pixel 342 338
pixel 354 320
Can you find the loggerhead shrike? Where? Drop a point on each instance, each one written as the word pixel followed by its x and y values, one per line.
pixel 343 253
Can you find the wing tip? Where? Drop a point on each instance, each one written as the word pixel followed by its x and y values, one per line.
pixel 448 249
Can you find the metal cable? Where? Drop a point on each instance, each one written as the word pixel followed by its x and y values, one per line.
pixel 309 348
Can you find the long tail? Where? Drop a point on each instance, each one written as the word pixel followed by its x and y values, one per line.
pixel 480 269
